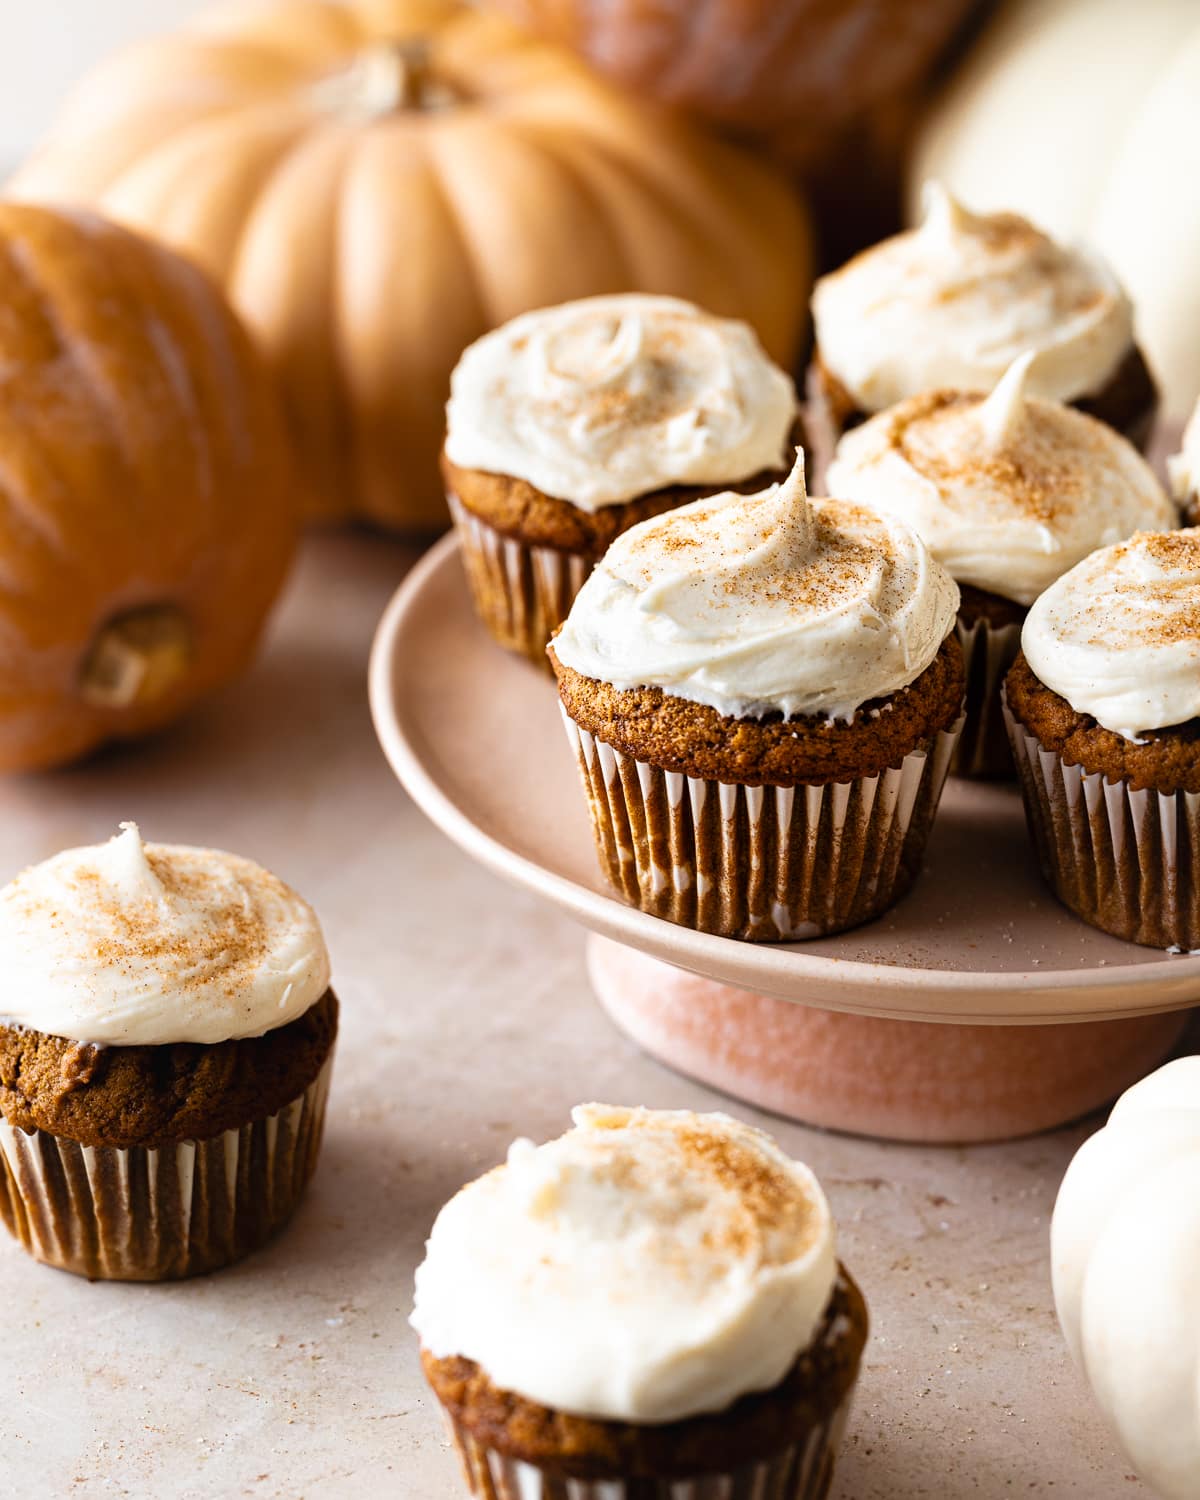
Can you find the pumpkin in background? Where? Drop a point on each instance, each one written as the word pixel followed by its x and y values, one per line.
pixel 148 513
pixel 804 73
pixel 1082 114
pixel 379 183
pixel 1125 1248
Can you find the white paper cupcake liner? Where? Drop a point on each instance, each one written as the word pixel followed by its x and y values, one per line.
pixel 521 593
pixel 988 652
pixel 141 1214
pixel 1126 861
pixel 767 863
pixel 800 1472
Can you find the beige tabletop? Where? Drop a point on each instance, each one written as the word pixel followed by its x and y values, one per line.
pixel 466 1020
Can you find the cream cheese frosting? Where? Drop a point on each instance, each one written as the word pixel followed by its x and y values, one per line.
pixel 147 944
pixel 951 304
pixel 1184 466
pixel 766 603
pixel 647 1266
pixel 1119 635
pixel 1008 491
pixel 602 400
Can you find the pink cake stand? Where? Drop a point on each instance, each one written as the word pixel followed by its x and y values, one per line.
pixel 978 1009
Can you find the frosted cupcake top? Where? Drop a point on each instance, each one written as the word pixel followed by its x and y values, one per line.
pixel 760 604
pixel 647 1266
pixel 950 305
pixel 1008 491
pixel 146 944
pixel 1184 467
pixel 1119 635
pixel 605 399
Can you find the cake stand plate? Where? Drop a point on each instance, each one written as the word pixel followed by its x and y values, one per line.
pixel 979 946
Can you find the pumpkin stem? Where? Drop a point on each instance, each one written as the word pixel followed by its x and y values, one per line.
pixel 137 658
pixel 386 79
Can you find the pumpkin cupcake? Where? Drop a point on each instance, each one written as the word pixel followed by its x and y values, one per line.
pixel 165 1055
pixel 950 305
pixel 569 425
pixel 1008 491
pixel 763 693
pixel 1184 470
pixel 649 1306
pixel 1103 709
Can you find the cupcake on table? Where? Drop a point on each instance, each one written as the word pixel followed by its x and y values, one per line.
pixel 1009 491
pixel 1104 712
pixel 165 1055
pixel 1184 469
pixel 568 425
pixel 650 1305
pixel 951 304
pixel 763 693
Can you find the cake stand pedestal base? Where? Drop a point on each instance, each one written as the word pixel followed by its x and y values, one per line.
pixel 897 1080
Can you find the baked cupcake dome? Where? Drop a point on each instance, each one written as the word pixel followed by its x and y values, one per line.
pixel 568 425
pixel 763 694
pixel 164 1057
pixel 1184 468
pixel 1009 491
pixel 653 1296
pixel 1104 714
pixel 951 304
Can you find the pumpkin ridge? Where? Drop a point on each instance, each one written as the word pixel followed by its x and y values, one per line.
pixel 96 382
pixel 564 154
pixel 326 456
pixel 38 521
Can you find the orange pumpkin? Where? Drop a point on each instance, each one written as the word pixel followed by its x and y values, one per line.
pixel 800 72
pixel 148 514
pixel 377 183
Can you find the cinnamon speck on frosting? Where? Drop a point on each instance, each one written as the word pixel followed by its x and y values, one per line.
pixel 763 604
pixel 1118 636
pixel 151 944
pixel 1008 490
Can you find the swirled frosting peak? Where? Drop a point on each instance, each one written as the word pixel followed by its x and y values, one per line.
pixel 951 304
pixel 1119 635
pixel 608 398
pixel 1184 466
pixel 147 944
pixel 1008 491
pixel 759 604
pixel 647 1266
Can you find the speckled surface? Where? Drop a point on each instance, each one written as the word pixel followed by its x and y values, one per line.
pixel 467 1019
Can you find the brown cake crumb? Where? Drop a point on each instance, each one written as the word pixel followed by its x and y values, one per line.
pixel 1162 760
pixel 152 1096
pixel 516 508
pixel 676 734
pixel 750 1430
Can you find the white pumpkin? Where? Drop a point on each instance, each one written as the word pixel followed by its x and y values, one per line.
pixel 1085 116
pixel 1125 1250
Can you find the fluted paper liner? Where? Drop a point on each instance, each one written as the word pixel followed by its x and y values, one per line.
pixel 521 593
pixel 988 652
pixel 802 1471
pixel 141 1214
pixel 767 863
pixel 1126 861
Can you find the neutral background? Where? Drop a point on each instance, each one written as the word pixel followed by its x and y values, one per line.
pixel 49 43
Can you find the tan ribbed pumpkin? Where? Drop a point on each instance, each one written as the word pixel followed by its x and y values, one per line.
pixel 378 183
pixel 147 510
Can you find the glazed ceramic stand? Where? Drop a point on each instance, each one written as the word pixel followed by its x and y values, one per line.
pixel 978 1009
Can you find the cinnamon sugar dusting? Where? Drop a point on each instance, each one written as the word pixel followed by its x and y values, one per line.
pixel 765 1209
pixel 1035 476
pixel 151 944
